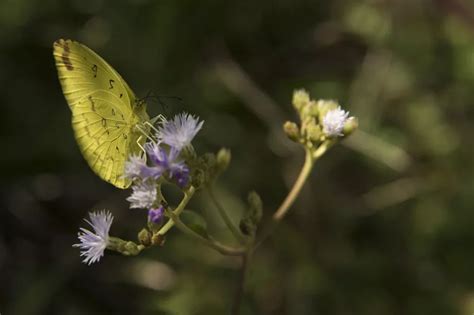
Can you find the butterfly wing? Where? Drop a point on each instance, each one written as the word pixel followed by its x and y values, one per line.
pixel 103 135
pixel 101 102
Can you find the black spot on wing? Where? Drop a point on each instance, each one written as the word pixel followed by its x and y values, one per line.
pixel 94 70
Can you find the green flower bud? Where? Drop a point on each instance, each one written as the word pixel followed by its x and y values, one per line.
pixel 115 243
pixel 311 109
pixel 223 159
pixel 127 248
pixel 198 178
pixel 251 219
pixel 256 206
pixel 305 122
pixel 132 249
pixel 313 132
pixel 300 99
pixel 292 131
pixel 144 237
pixel 351 124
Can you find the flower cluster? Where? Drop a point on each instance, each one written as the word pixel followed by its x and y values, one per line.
pixel 165 163
pixel 322 121
pixel 164 154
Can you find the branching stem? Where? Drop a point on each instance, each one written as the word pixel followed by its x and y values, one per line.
pixel 187 196
pixel 221 248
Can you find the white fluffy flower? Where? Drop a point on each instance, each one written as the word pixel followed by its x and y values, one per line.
pixel 333 122
pixel 143 195
pixel 180 131
pixel 93 244
pixel 134 166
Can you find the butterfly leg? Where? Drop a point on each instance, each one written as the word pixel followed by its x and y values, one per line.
pixel 138 143
pixel 145 132
pixel 152 121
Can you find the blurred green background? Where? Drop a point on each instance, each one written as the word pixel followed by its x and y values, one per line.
pixel 385 224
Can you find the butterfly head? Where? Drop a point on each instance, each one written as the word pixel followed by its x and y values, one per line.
pixel 139 108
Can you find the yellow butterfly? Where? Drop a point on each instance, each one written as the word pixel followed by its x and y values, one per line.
pixel 109 122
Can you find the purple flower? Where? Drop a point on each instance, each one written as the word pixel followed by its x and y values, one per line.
pixel 166 161
pixel 93 244
pixel 181 177
pixel 180 131
pixel 156 215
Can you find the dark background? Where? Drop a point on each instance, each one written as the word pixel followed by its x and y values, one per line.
pixel 385 225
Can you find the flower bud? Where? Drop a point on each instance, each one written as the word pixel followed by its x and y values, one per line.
pixel 351 124
pixel 127 248
pixel 155 215
pixel 144 236
pixel 223 159
pixel 132 249
pixel 300 99
pixel 313 132
pixel 256 206
pixel 311 109
pixel 324 106
pixel 292 131
pixel 198 178
pixel 250 220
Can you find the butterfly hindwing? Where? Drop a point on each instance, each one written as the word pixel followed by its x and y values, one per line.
pixel 103 135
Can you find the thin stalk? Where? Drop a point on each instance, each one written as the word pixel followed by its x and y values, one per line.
pixel 239 293
pixel 310 159
pixel 221 248
pixel 225 217
pixel 296 189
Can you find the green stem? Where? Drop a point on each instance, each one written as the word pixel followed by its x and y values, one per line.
pixel 297 186
pixel 225 217
pixel 239 293
pixel 311 157
pixel 316 154
pixel 221 248
pixel 187 196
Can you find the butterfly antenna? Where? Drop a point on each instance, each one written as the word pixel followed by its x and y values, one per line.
pixel 159 99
